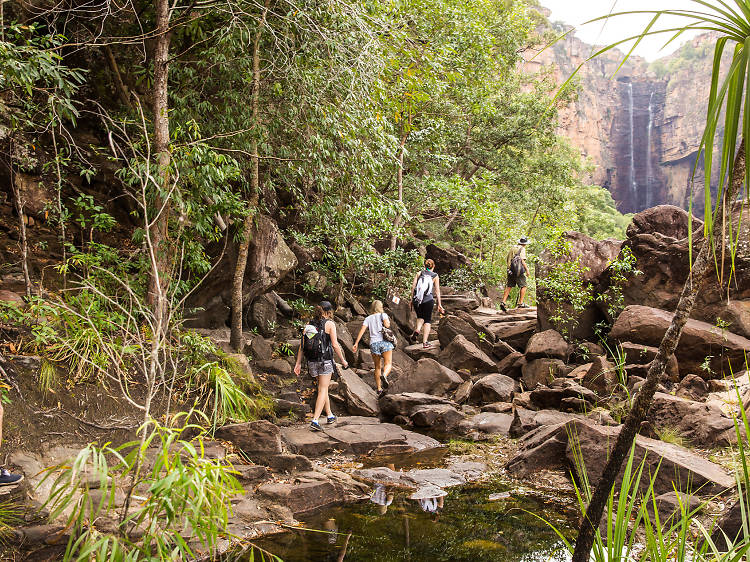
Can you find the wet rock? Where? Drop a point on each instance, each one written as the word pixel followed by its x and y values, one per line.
pixel 442 418
pixel 308 491
pixel 540 372
pixel 678 468
pixel 405 402
pixel 601 377
pixel 279 367
pixel 360 398
pixel 462 354
pixel 429 376
pixel 693 387
pixel 547 344
pixel 703 349
pixel 256 437
pixel 493 388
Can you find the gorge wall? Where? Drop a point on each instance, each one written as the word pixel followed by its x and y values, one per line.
pixel 641 127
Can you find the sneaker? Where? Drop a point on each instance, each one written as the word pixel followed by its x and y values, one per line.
pixel 331 419
pixel 315 426
pixel 8 479
pixel 426 345
pixel 503 307
pixel 523 306
pixel 384 382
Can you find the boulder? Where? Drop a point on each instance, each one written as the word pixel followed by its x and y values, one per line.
pixel 583 352
pixel 540 371
pixel 602 377
pixel 498 407
pixel 405 403
pixel 703 349
pixel 639 354
pixel 702 424
pixel 442 418
pixel 512 365
pixel 460 302
pixel 594 257
pixel 451 326
pixel 402 360
pixel 672 503
pixel 491 423
pixel 552 396
pixel 269 261
pixel 446 259
pixel 579 372
pixel 10 297
pixel 692 387
pixel 402 313
pixel 253 438
pixel 463 392
pixel 417 351
pixel 428 376
pixel 347 343
pixel 315 282
pixel 361 400
pixel 258 348
pixel 525 420
pixel 515 333
pixel 306 256
pixel 263 315
pixel 278 367
pixel 547 344
pixel 730 525
pixel 674 467
pixel 462 354
pixel 493 388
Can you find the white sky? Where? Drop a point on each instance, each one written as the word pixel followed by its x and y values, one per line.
pixel 576 12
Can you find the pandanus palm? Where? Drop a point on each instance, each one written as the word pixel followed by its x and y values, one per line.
pixel 729 89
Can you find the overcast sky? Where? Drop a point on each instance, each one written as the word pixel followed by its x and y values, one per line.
pixel 576 12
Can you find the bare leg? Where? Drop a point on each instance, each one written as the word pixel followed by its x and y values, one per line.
pixel 523 294
pixel 329 412
pixel 426 332
pixel 506 294
pixel 419 325
pixel 376 360
pixel 1 422
pixel 322 400
pixel 388 360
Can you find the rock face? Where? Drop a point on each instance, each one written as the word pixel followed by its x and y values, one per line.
pixel 269 260
pixel 643 130
pixel 677 467
pixel 446 259
pixel 703 350
pixel 593 257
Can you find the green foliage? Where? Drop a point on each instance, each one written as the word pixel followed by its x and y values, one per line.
pixel 179 488
pixel 620 270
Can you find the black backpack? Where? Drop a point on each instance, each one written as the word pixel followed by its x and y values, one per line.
pixel 516 265
pixel 317 347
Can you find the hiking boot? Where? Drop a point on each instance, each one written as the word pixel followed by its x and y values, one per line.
pixel 331 419
pixel 503 307
pixel 381 393
pixel 315 426
pixel 8 479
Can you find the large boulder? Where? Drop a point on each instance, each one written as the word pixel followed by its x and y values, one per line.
pixel 361 400
pixel 639 354
pixel 402 313
pixel 554 395
pixel 490 423
pixel 269 261
pixel 540 372
pixel 658 240
pixel 462 354
pixel 515 333
pixel 593 257
pixel 263 315
pixel 703 349
pixel 601 377
pixel 547 344
pixel 256 437
pixel 446 259
pixel 405 403
pixel 702 424
pixel 443 418
pixel 674 467
pixel 493 388
pixel 451 326
pixel 428 376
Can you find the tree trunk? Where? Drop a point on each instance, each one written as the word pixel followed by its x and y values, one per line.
pixel 19 204
pixel 400 180
pixel 158 235
pixel 642 403
pixel 235 339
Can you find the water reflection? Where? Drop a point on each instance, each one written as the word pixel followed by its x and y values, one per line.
pixel 425 526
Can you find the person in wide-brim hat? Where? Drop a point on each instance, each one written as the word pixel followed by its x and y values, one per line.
pixel 517 272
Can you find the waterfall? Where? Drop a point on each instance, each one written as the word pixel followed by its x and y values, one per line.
pixel 633 183
pixel 649 179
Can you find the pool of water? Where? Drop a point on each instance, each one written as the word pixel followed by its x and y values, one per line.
pixel 465 525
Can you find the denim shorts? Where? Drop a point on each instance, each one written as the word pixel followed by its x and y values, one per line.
pixel 320 367
pixel 379 347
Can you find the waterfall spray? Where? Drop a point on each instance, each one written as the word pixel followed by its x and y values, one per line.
pixel 649 179
pixel 633 183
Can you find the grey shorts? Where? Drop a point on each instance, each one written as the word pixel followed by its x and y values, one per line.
pixel 516 280
pixel 320 367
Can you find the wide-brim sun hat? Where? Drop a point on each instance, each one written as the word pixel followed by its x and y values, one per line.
pixel 523 240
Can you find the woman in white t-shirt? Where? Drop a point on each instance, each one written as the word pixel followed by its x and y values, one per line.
pixel 382 351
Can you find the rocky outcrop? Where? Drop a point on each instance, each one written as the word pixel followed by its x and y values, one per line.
pixel 446 259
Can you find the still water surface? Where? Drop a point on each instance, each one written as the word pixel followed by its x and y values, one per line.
pixel 466 525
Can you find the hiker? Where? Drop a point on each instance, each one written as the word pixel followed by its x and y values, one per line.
pixel 319 340
pixel 382 350
pixel 517 272
pixel 424 290
pixel 7 478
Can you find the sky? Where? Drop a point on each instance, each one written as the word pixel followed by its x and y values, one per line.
pixel 576 12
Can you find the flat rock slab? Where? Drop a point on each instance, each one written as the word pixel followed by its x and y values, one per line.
pixel 358 435
pixel 418 351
